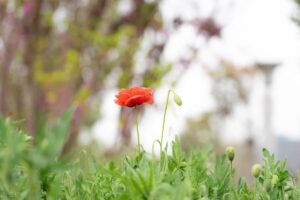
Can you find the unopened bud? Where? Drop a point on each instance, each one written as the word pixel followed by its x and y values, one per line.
pixel 44 144
pixel 256 170
pixel 275 180
pixel 203 190
pixel 230 153
pixel 177 99
pixel 183 165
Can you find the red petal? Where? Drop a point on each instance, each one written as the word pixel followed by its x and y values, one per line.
pixel 150 100
pixel 135 100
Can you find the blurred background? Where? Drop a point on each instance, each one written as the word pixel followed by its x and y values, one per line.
pixel 235 63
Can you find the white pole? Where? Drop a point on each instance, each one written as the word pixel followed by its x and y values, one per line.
pixel 269 136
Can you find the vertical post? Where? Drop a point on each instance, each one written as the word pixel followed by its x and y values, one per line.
pixel 269 136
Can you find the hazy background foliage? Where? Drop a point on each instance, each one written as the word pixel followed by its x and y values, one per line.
pixel 59 53
pixel 55 54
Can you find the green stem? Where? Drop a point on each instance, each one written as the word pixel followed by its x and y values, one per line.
pixel 282 194
pixel 231 180
pixel 137 130
pixel 255 186
pixel 153 153
pixel 231 176
pixel 164 120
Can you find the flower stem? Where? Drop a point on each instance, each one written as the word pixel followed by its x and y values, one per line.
pixel 255 187
pixel 164 120
pixel 231 176
pixel 137 130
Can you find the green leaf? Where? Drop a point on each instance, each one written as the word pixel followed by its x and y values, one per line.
pixel 59 133
pixel 266 153
pixel 242 185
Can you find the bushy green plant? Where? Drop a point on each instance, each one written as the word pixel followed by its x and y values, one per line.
pixel 39 171
pixel 29 172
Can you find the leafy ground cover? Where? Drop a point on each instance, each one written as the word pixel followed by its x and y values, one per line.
pixel 28 172
pixel 34 169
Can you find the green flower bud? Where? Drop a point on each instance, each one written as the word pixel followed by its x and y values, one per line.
pixel 28 138
pixel 268 185
pixel 256 170
pixel 230 153
pixel 275 179
pixel 44 144
pixel 203 190
pixel 177 99
pixel 183 165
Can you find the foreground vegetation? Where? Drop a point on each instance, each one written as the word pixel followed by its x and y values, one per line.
pixel 38 171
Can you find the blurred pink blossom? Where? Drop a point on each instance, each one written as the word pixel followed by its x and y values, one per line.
pixel 27 7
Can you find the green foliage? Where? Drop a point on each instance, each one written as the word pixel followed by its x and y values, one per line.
pixel 296 16
pixel 38 172
pixel 32 173
pixel 155 74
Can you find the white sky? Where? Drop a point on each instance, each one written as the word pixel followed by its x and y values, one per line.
pixel 256 30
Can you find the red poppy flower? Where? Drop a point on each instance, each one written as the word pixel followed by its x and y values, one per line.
pixel 134 96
